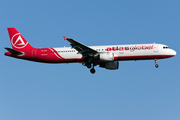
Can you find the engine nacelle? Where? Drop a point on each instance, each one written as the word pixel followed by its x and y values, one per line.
pixel 106 57
pixel 110 65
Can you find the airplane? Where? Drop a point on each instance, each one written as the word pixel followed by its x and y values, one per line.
pixel 90 56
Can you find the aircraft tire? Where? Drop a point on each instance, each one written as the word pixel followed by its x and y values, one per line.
pixel 88 65
pixel 92 70
pixel 156 65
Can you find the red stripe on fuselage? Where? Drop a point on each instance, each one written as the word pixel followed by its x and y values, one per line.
pixel 56 53
pixel 143 57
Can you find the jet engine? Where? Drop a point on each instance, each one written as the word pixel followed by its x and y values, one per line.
pixel 110 65
pixel 106 57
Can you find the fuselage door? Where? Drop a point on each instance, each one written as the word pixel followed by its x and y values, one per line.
pixel 34 53
pixel 155 48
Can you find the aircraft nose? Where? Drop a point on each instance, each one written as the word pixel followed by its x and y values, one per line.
pixel 174 52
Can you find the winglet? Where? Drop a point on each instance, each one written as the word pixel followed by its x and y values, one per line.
pixel 65 38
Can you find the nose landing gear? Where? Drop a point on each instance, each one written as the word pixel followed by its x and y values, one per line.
pixel 156 65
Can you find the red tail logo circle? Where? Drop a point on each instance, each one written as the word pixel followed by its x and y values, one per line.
pixel 18 41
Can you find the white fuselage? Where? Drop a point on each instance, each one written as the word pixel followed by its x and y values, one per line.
pixel 123 51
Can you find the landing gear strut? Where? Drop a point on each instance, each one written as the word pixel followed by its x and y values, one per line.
pixel 88 65
pixel 156 65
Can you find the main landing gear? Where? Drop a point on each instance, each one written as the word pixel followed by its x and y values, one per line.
pixel 156 65
pixel 88 65
pixel 92 70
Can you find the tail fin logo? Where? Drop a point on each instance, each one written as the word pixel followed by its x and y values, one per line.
pixel 18 41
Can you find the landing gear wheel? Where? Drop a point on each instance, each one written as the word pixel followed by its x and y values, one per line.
pixel 88 65
pixel 156 65
pixel 92 70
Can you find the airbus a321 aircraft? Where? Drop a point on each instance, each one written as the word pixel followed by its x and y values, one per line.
pixel 90 56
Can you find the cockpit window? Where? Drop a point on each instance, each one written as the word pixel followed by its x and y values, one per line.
pixel 165 47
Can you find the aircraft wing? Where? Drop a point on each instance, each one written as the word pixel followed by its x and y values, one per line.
pixel 82 49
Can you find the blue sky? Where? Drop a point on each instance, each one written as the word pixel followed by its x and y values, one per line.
pixel 137 90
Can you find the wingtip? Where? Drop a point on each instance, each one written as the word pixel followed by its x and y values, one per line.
pixel 65 38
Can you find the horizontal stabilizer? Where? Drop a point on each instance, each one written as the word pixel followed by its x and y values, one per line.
pixel 15 52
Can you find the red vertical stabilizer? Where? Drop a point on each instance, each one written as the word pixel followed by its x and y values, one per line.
pixel 17 40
